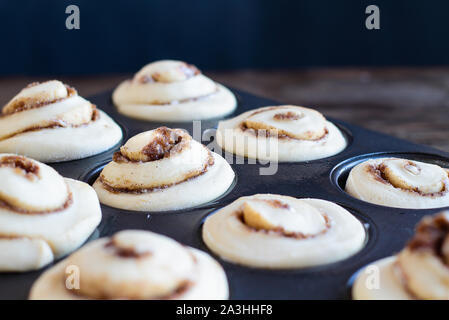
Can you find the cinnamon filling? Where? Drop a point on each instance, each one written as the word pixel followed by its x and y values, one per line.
pixel 9 207
pixel 186 100
pixel 138 190
pixel 279 231
pixel 286 116
pixel 188 70
pixel 162 145
pixel 167 143
pixel 432 233
pixel 21 165
pixel 125 252
pixel 270 134
pixel 378 172
pixel 13 237
pixel 30 103
pixel 277 204
pixel 53 124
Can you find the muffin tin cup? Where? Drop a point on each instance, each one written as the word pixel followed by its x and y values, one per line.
pixel 387 228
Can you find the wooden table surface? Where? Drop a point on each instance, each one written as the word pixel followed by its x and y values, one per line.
pixel 409 103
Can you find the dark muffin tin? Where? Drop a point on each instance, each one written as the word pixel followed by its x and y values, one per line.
pixel 387 228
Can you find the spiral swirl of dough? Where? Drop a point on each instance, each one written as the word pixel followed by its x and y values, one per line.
pixel 173 91
pixel 419 271
pixel 163 169
pixel 136 264
pixel 400 183
pixel 281 133
pixel 50 122
pixel 274 231
pixel 42 215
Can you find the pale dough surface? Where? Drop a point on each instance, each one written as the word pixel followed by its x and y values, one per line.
pixel 39 238
pixel 229 238
pixel 233 139
pixel 152 276
pixel 201 189
pixel 63 144
pixel 365 186
pixel 378 281
pixel 218 104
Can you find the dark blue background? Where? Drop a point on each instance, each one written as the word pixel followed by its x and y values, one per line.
pixel 122 35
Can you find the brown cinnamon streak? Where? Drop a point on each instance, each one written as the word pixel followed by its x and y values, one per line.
pixel 22 164
pixel 269 133
pixel 125 252
pixel 27 104
pixel 161 146
pixel 378 173
pixel 120 157
pixel 430 234
pixel 281 231
pixel 56 124
pixel 8 206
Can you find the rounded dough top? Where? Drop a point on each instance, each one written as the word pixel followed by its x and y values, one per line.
pixel 27 184
pixel 419 271
pixel 170 90
pixel 274 231
pixel 281 133
pixel 163 169
pixel 49 122
pixel 400 183
pixel 134 264
pixel 43 216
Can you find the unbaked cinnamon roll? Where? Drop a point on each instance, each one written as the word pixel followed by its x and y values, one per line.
pixel 50 122
pixel 274 231
pixel 172 91
pixel 419 271
pixel 134 264
pixel 43 216
pixel 163 169
pixel 280 133
pixel 400 183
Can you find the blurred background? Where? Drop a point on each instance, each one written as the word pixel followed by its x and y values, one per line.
pixel 308 52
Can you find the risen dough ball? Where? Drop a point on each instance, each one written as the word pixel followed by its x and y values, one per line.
pixel 135 265
pixel 282 133
pixel 274 231
pixel 419 271
pixel 172 91
pixel 50 122
pixel 42 215
pixel 399 183
pixel 163 169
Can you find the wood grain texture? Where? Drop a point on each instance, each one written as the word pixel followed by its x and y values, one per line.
pixel 409 103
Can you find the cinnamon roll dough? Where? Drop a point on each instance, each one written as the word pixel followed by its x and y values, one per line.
pixel 135 264
pixel 399 183
pixel 43 216
pixel 274 231
pixel 419 271
pixel 163 169
pixel 172 91
pixel 49 122
pixel 281 133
